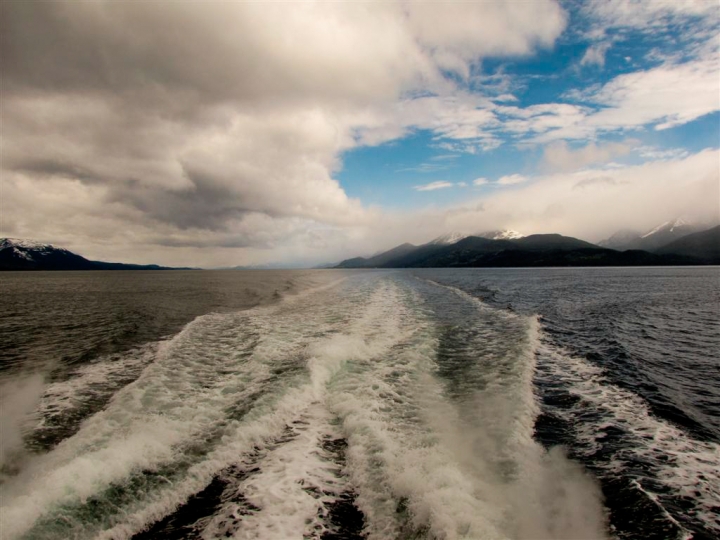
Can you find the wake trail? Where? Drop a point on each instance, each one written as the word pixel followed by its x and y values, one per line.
pixel 361 390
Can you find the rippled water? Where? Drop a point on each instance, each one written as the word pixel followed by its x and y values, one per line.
pixel 383 404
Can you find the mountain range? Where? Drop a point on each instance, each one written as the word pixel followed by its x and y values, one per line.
pixel 451 238
pixel 18 254
pixel 653 239
pixel 704 245
pixel 672 243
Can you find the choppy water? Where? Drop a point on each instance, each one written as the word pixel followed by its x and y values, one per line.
pixel 516 404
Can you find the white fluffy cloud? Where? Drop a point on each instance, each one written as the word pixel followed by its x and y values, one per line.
pixel 512 180
pixel 457 34
pixel 647 14
pixel 658 97
pixel 432 186
pixel 595 54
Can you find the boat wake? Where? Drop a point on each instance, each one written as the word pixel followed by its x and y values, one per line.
pixel 378 407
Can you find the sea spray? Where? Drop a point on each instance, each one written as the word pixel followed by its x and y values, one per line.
pixel 19 398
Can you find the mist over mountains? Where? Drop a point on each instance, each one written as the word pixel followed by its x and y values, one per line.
pixel 703 244
pixel 453 237
pixel 653 239
pixel 672 243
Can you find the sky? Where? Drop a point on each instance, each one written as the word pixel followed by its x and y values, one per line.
pixel 216 134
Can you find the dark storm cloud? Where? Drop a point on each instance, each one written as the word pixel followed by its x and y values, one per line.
pixel 118 47
pixel 213 242
pixel 52 168
pixel 205 204
pixel 190 114
pixel 198 52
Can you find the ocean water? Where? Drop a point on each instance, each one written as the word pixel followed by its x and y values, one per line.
pixel 414 404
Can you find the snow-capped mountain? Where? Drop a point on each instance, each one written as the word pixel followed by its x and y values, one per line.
pixel 505 234
pixel 496 249
pixel 677 226
pixel 24 244
pixel 653 239
pixel 665 233
pixel 29 250
pixel 447 239
pixel 704 245
pixel 454 237
pixel 16 254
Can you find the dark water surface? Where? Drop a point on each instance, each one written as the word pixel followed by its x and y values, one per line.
pixel 473 403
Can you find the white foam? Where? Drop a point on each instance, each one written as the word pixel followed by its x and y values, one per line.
pixel 19 397
pixel 690 467
pixel 210 365
pixel 260 428
pixel 295 481
pixel 93 381
pixel 144 426
pixel 365 354
pixel 256 432
pixel 407 442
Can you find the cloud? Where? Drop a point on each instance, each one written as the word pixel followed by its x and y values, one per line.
pixel 426 168
pixel 595 54
pixel 209 53
pixel 639 196
pixel 587 182
pixel 212 134
pixel 432 186
pixel 647 15
pixel 680 31
pixel 462 121
pixel 480 181
pixel 654 154
pixel 130 125
pixel 592 203
pixel 657 97
pixel 512 180
pixel 535 121
pixel 558 156
pixel 458 33
pixel 445 157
